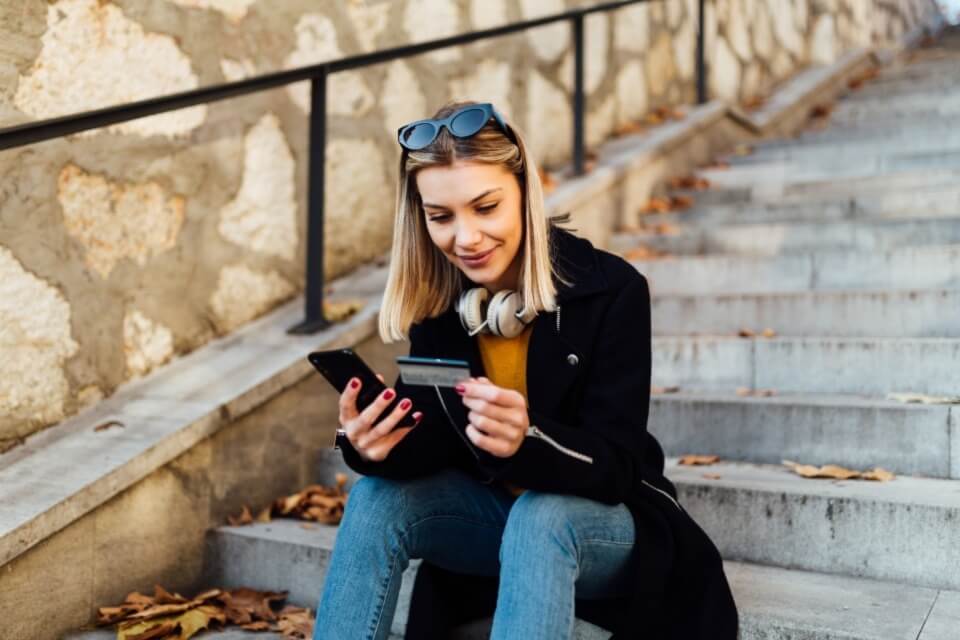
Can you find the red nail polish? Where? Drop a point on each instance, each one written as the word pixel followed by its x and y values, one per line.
pixel 404 404
pixel 354 383
pixel 388 394
pixel 460 389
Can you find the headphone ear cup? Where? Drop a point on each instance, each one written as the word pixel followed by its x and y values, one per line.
pixel 472 308
pixel 502 311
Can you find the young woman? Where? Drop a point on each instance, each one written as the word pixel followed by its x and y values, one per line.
pixel 532 492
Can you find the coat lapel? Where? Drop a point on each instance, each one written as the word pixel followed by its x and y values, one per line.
pixel 548 370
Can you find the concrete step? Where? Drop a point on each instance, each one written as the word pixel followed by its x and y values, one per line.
pixel 773 602
pixel 852 431
pixel 922 313
pixel 787 237
pixel 853 151
pixel 835 136
pixel 867 366
pixel 822 167
pixel 935 202
pixel 822 270
pixel 903 530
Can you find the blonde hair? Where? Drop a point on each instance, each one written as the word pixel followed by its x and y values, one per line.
pixel 421 281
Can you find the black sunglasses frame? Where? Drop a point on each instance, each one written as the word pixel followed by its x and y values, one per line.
pixel 486 107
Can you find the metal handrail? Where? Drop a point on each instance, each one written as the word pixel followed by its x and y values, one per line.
pixel 51 128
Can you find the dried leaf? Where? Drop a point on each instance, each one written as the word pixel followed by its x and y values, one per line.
pixel 836 472
pixel 689 182
pixel 659 390
pixel 245 518
pixel 295 622
pixel 244 605
pixel 108 424
pixel 694 459
pixel 923 398
pixel 264 515
pixel 746 333
pixel 765 392
pixel 754 103
pixel 546 180
pixel 259 625
pixel 769 333
pixel 742 150
pixel 643 252
pixel 712 476
pixel 744 391
pixel 821 110
pixel 337 310
pixel 150 630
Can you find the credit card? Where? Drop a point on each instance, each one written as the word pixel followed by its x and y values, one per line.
pixel 433 371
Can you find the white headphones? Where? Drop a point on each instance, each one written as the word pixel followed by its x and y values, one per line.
pixel 500 315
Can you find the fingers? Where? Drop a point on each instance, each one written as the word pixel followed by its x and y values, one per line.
pixel 491 410
pixel 496 446
pixel 382 447
pixel 386 425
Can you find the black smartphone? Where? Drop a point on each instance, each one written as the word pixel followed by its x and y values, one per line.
pixel 339 365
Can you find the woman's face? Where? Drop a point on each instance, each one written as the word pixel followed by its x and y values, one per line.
pixel 475 208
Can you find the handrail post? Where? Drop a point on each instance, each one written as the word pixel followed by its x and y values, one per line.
pixel 578 98
pixel 316 153
pixel 701 62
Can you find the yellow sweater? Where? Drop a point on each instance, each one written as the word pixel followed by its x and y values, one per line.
pixel 505 363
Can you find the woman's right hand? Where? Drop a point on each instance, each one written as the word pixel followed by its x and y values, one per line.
pixel 373 441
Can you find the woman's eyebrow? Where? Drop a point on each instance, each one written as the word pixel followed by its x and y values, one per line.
pixel 485 193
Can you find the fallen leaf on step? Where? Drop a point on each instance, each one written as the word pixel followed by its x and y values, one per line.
pixel 295 622
pixel 657 204
pixel 546 180
pixel 659 390
pixel 769 333
pixel 742 150
pixel 766 393
pixel 763 393
pixel 746 333
pixel 754 103
pixel 712 476
pixel 922 398
pixel 695 459
pixel 837 472
pixel 744 391
pixel 821 110
pixel 689 182
pixel 108 424
pixel 337 310
pixel 857 82
pixel 643 252
pixel 245 517
pixel 184 625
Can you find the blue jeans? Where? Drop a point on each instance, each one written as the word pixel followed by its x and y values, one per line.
pixel 546 547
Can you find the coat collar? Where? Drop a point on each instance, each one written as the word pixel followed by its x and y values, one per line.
pixel 549 369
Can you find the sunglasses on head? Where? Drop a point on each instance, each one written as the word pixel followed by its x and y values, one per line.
pixel 463 123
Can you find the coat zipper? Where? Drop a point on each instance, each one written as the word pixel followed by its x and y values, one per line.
pixel 669 497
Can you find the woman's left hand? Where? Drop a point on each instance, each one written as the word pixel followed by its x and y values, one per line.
pixel 498 416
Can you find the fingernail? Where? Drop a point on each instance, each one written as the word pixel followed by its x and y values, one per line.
pixel 388 394
pixel 404 404
pixel 460 389
pixel 354 383
pixel 418 416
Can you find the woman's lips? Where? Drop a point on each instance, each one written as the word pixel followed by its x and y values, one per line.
pixel 479 262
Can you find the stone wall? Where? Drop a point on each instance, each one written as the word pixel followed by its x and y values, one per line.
pixel 123 247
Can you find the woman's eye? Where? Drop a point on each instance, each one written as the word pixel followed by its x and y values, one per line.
pixel 487 207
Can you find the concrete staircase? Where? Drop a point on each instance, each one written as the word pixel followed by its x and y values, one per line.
pixel 846 242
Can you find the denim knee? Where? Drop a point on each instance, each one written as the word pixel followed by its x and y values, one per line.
pixel 539 522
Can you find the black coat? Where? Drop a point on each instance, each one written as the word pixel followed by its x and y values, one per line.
pixel 597 404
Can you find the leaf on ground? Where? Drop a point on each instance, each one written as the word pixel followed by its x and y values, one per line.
pixel 643 252
pixel 150 630
pixel 689 181
pixel 337 310
pixel 181 626
pixel 712 476
pixel 837 472
pixel 769 333
pixel 244 605
pixel 821 110
pixel 547 180
pixel 858 81
pixel 660 390
pixel 754 103
pixel 923 398
pixel 295 622
pixel 742 150
pixel 245 517
pixel 695 459
pixel 746 333
pixel 747 391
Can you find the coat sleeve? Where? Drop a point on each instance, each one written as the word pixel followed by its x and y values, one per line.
pixel 611 425
pixel 430 446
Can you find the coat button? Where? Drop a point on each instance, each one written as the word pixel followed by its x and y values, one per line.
pixel 573 359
